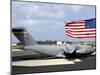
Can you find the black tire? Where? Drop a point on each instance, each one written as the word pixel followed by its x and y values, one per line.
pixel 70 55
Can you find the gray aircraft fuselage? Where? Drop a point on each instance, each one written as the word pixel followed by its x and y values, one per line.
pixel 52 50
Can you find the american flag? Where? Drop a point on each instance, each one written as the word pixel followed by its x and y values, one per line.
pixel 81 28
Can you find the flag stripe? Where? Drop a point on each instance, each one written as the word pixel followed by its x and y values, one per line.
pixel 82 36
pixel 76 24
pixel 74 27
pixel 81 32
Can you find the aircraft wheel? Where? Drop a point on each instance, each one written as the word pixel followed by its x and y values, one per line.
pixel 70 55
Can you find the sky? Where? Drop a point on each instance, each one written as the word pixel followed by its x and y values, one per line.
pixel 46 21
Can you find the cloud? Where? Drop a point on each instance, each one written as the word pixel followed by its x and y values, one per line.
pixel 40 25
pixel 77 8
pixel 44 20
pixel 38 17
pixel 39 11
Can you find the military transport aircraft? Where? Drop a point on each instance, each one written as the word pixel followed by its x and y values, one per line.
pixel 52 50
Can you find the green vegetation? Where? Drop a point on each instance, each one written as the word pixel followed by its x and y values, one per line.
pixel 47 42
pixel 93 44
pixel 13 47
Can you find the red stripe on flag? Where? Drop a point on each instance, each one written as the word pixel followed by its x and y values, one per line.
pixel 75 22
pixel 75 25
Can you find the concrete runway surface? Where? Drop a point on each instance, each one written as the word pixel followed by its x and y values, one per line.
pixel 45 62
pixel 30 65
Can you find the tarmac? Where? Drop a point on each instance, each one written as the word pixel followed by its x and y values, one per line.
pixel 23 62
